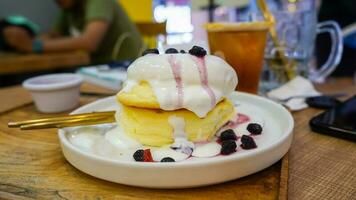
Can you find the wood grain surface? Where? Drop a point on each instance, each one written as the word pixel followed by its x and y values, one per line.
pixel 320 167
pixel 21 63
pixel 14 97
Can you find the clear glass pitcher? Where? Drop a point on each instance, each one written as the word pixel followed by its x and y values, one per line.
pixel 297 27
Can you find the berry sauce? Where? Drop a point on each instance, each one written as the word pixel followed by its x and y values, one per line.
pixel 176 69
pixel 237 120
pixel 200 61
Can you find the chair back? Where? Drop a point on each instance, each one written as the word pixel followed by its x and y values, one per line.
pixel 152 32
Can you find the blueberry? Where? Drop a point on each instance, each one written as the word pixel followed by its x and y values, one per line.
pixel 247 142
pixel 187 150
pixel 228 135
pixel 167 159
pixel 171 50
pixel 228 147
pixel 182 51
pixel 197 51
pixel 254 128
pixel 150 51
pixel 183 146
pixel 139 155
pixel 183 149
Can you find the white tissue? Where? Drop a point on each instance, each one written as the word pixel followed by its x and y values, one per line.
pixel 298 86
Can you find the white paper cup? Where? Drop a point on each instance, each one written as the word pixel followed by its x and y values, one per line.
pixel 55 92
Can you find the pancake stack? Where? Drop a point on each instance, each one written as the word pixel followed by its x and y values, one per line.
pixel 174 96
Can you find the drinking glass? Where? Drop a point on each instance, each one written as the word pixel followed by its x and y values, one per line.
pixel 297 27
pixel 242 46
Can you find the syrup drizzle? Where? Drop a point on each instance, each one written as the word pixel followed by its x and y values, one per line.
pixel 177 69
pixel 237 120
pixel 204 78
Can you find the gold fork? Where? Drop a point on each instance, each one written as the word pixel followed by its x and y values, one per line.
pixel 66 121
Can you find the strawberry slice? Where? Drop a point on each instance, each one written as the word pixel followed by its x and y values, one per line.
pixel 147 156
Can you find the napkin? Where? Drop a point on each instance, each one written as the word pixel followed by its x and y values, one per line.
pixel 300 88
pixel 104 75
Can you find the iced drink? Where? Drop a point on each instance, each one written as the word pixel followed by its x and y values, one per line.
pixel 242 46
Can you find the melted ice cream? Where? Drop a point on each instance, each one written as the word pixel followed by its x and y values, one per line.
pixel 183 80
pixel 181 142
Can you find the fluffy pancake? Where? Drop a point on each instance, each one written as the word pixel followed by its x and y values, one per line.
pixel 140 96
pixel 151 127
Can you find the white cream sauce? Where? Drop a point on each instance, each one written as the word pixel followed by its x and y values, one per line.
pixel 181 142
pixel 207 150
pixel 184 81
pixel 110 141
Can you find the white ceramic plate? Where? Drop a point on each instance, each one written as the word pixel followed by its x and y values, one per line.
pixel 278 122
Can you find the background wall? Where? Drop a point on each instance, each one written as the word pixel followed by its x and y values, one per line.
pixel 42 12
pixel 138 10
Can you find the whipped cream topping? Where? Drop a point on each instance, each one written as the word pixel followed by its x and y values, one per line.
pixel 183 80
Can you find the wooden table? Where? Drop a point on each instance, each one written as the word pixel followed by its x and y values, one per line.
pixel 320 166
pixel 11 63
pixel 33 167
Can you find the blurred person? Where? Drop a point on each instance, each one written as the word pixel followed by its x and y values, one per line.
pixel 95 26
pixel 25 27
